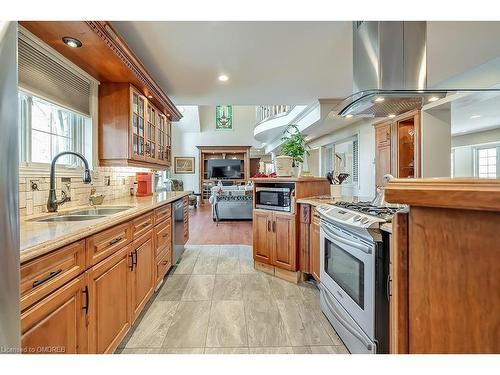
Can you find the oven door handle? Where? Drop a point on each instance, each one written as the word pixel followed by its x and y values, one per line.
pixel 368 344
pixel 336 237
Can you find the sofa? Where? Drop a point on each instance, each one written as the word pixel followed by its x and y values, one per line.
pixel 232 202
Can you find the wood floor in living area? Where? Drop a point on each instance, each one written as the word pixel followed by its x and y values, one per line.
pixel 204 231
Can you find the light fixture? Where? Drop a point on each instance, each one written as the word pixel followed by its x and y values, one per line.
pixel 433 98
pixel 168 114
pixel 223 78
pixel 379 99
pixel 348 116
pixel 182 109
pixel 475 116
pixel 391 115
pixel 150 96
pixel 72 42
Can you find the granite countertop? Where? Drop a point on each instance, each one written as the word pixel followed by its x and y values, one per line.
pixel 38 238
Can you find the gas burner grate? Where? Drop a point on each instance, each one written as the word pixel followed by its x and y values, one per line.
pixel 369 209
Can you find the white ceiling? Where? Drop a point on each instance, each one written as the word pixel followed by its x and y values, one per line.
pixel 267 62
pixel 477 112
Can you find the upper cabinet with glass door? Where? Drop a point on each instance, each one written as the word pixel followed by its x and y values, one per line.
pixel 138 129
pixel 132 131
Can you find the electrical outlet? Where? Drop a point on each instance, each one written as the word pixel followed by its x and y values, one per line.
pixel 107 180
pixel 35 185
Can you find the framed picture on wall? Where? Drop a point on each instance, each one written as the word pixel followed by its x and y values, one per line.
pixel 183 165
pixel 223 117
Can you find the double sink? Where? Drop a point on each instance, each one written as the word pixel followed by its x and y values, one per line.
pixel 84 214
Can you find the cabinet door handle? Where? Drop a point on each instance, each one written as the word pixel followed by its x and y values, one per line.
pixel 268 226
pixel 131 255
pixel 47 278
pixel 165 235
pixel 274 226
pixel 145 225
pixel 116 240
pixel 86 306
pixel 134 262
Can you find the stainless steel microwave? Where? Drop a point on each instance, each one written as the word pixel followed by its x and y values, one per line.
pixel 273 198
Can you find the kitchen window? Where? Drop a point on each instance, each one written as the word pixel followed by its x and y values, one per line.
pixel 48 129
pixel 487 162
pixel 343 157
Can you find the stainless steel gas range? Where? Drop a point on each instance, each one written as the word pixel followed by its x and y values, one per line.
pixel 354 274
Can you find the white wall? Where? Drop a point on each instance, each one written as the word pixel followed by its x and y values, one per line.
pixel 184 143
pixel 436 142
pixel 366 139
pixel 463 150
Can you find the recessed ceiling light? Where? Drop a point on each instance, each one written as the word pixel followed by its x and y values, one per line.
pixel 380 99
pixel 433 98
pixel 150 96
pixel 181 109
pixel 223 78
pixel 72 42
pixel 391 115
pixel 168 114
pixel 348 116
pixel 475 116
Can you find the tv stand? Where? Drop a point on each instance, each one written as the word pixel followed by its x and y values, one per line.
pixel 206 153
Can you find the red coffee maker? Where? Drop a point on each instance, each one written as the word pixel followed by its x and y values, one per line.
pixel 144 184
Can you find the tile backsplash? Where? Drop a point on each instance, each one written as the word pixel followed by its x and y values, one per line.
pixel 113 182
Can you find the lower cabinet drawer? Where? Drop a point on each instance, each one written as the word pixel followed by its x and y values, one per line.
pixel 163 264
pixel 107 242
pixel 142 225
pixel 163 237
pixel 41 276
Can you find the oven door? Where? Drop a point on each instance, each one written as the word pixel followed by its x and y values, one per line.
pixel 347 271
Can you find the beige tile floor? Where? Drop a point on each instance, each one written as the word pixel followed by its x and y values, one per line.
pixel 214 302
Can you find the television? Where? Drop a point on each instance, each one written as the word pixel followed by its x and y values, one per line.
pixel 224 168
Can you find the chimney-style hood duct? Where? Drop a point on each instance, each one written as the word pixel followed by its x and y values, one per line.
pixel 389 69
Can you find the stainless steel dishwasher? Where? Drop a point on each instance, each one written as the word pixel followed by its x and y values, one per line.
pixel 178 230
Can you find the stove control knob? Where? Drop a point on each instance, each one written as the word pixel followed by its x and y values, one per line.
pixel 357 218
pixel 365 220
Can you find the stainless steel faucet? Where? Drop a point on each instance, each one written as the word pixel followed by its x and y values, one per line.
pixel 52 202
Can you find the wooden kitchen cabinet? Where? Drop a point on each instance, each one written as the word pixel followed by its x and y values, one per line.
pixel 284 254
pixel 142 280
pixel 315 244
pixel 262 237
pixel 84 297
pixel 274 239
pixel 397 147
pixel 132 131
pixel 57 324
pixel 109 286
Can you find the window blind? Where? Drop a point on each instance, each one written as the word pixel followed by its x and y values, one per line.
pixel 44 76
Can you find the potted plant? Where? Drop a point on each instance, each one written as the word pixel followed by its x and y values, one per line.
pixel 292 151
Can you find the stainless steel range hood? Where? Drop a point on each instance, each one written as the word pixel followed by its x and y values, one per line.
pixel 389 69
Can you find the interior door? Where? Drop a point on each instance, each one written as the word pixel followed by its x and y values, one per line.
pixel 284 254
pixel 109 292
pixel 262 244
pixel 142 275
pixel 56 324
